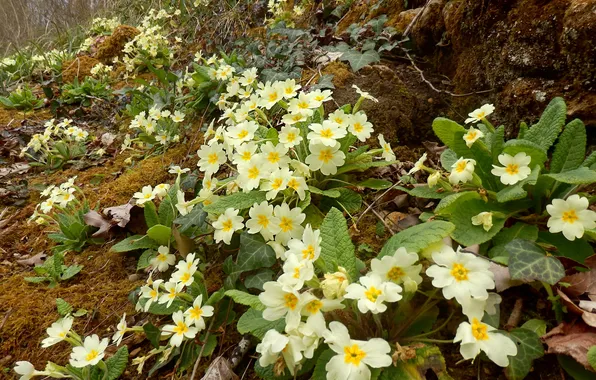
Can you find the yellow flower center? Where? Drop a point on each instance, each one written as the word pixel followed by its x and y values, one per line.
pixel 338 120
pixel 461 166
pixel 325 155
pixel 185 277
pixel 196 312
pixel 308 252
pixel 162 257
pixel 459 272
pixel 291 137
pixel 472 135
pixel 263 220
pixel 297 117
pixel 373 293
pixel 146 196
pixel 395 273
pixel 293 183
pixel 289 90
pixel 62 334
pixel 290 301
pixel 153 293
pixel 276 184
pixel 512 169
pixel 480 114
pixel 314 306
pixel 253 173
pixel 180 328
pixel 319 98
pixel 172 293
pixel 243 133
pixel 91 355
pixel 297 272
pixel 327 133
pixel 358 127
pixel 212 158
pixel 303 105
pixel 273 96
pixel 286 224
pixel 479 330
pixel 246 156
pixel 273 157
pixel 227 225
pixel 353 355
pixel 570 217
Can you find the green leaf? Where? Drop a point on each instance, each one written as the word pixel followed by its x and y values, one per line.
pixel 333 193
pixel 574 369
pixel 538 326
pixel 446 131
pixel 152 333
pixel 256 280
pixel 160 233
pixel 535 151
pixel 336 245
pixel 528 262
pixel 529 348
pixel 468 234
pixel 358 60
pixel 578 250
pixel 417 237
pixel 497 140
pixel 320 373
pixel 253 322
pixel 246 299
pixel 582 175
pixel 167 207
pixel 150 213
pixel 145 259
pixel 135 242
pixel 195 218
pixel 314 216
pixel 515 192
pixel 70 271
pixel 451 202
pixel 545 132
pixel 64 308
pixel 349 200
pixel 117 363
pixel 448 158
pixel 376 184
pixel 570 151
pixel 428 192
pixel 254 253
pixel 238 201
pixel 426 357
pixel 592 357
pixel 162 308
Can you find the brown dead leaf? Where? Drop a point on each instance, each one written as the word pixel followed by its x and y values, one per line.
pixel 95 219
pixel 588 305
pixel 34 260
pixel 107 139
pixel 220 369
pixel 502 277
pixel 16 168
pixel 571 306
pixel 572 339
pixel 119 214
pixel 580 283
pixel 184 244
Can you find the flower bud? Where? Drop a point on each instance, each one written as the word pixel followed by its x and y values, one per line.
pixel 334 285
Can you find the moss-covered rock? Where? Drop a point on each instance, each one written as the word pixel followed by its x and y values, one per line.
pixel 112 46
pixel 79 67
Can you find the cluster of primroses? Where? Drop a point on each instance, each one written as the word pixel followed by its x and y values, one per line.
pixel 42 145
pixel 569 216
pixel 156 126
pixel 56 198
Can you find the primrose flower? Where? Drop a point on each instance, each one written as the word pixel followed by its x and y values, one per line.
pixel 177 117
pixel 460 274
pixel 163 260
pixel 360 127
pixel 180 330
pixel 184 274
pixel 515 168
pixel 184 207
pixel 90 353
pixel 484 219
pixel 309 247
pixel 293 118
pixel 290 88
pixel 302 105
pixel 364 94
pixel 354 356
pixel 244 153
pixel 477 336
pixel 318 97
pixel 419 165
pixel 277 181
pixel 151 292
pixel 27 370
pixel 279 303
pixel 274 345
pixel 175 169
pixel 271 94
pixel 251 173
pixel 472 135
pixel 57 332
pixel 462 171
pixel 433 179
pixel 242 132
pixel 296 272
pixel 274 156
pixel 399 268
pixel 211 157
pixel 226 224
pixel 172 291
pixel 161 190
pixel 477 307
pixel 262 221
pixel 327 133
pixel 298 184
pixel 290 136
pixel 196 313
pixel 325 158
pixel 340 118
pixel 313 309
pixel 145 195
pixel 372 292
pixel 387 154
pixel 334 285
pixel 290 222
pixel 480 113
pixel 120 330
pixel 571 217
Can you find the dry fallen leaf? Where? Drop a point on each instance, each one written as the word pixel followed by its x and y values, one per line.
pixel 580 283
pixel 34 260
pixel 16 168
pixel 95 219
pixel 220 369
pixel 572 339
pixel 119 214
pixel 502 277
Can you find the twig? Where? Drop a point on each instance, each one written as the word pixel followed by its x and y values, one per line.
pixel 515 316
pixel 414 20
pixel 382 220
pixel 375 201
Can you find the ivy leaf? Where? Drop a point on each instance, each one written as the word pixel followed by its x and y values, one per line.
pixel 545 132
pixel 152 333
pixel 527 261
pixel 577 176
pixel 117 363
pixel 358 60
pixel 254 253
pixel 256 280
pixel 239 201
pixel 538 326
pixel 135 242
pixel 336 245
pixel 195 218
pixel 64 308
pixel 253 322
pixel 417 237
pixel 246 299
pixel 160 233
pixel 529 348
pixel 571 149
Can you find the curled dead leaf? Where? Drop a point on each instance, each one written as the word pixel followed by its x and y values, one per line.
pixel 34 260
pixel 572 339
pixel 220 369
pixel 95 219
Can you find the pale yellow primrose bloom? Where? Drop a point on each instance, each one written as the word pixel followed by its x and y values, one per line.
pixel 571 217
pixel 484 219
pixel 515 168
pixel 472 135
pixel 476 336
pixel 480 113
pixel 90 353
pixel 226 224
pixel 57 332
pixel 462 171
